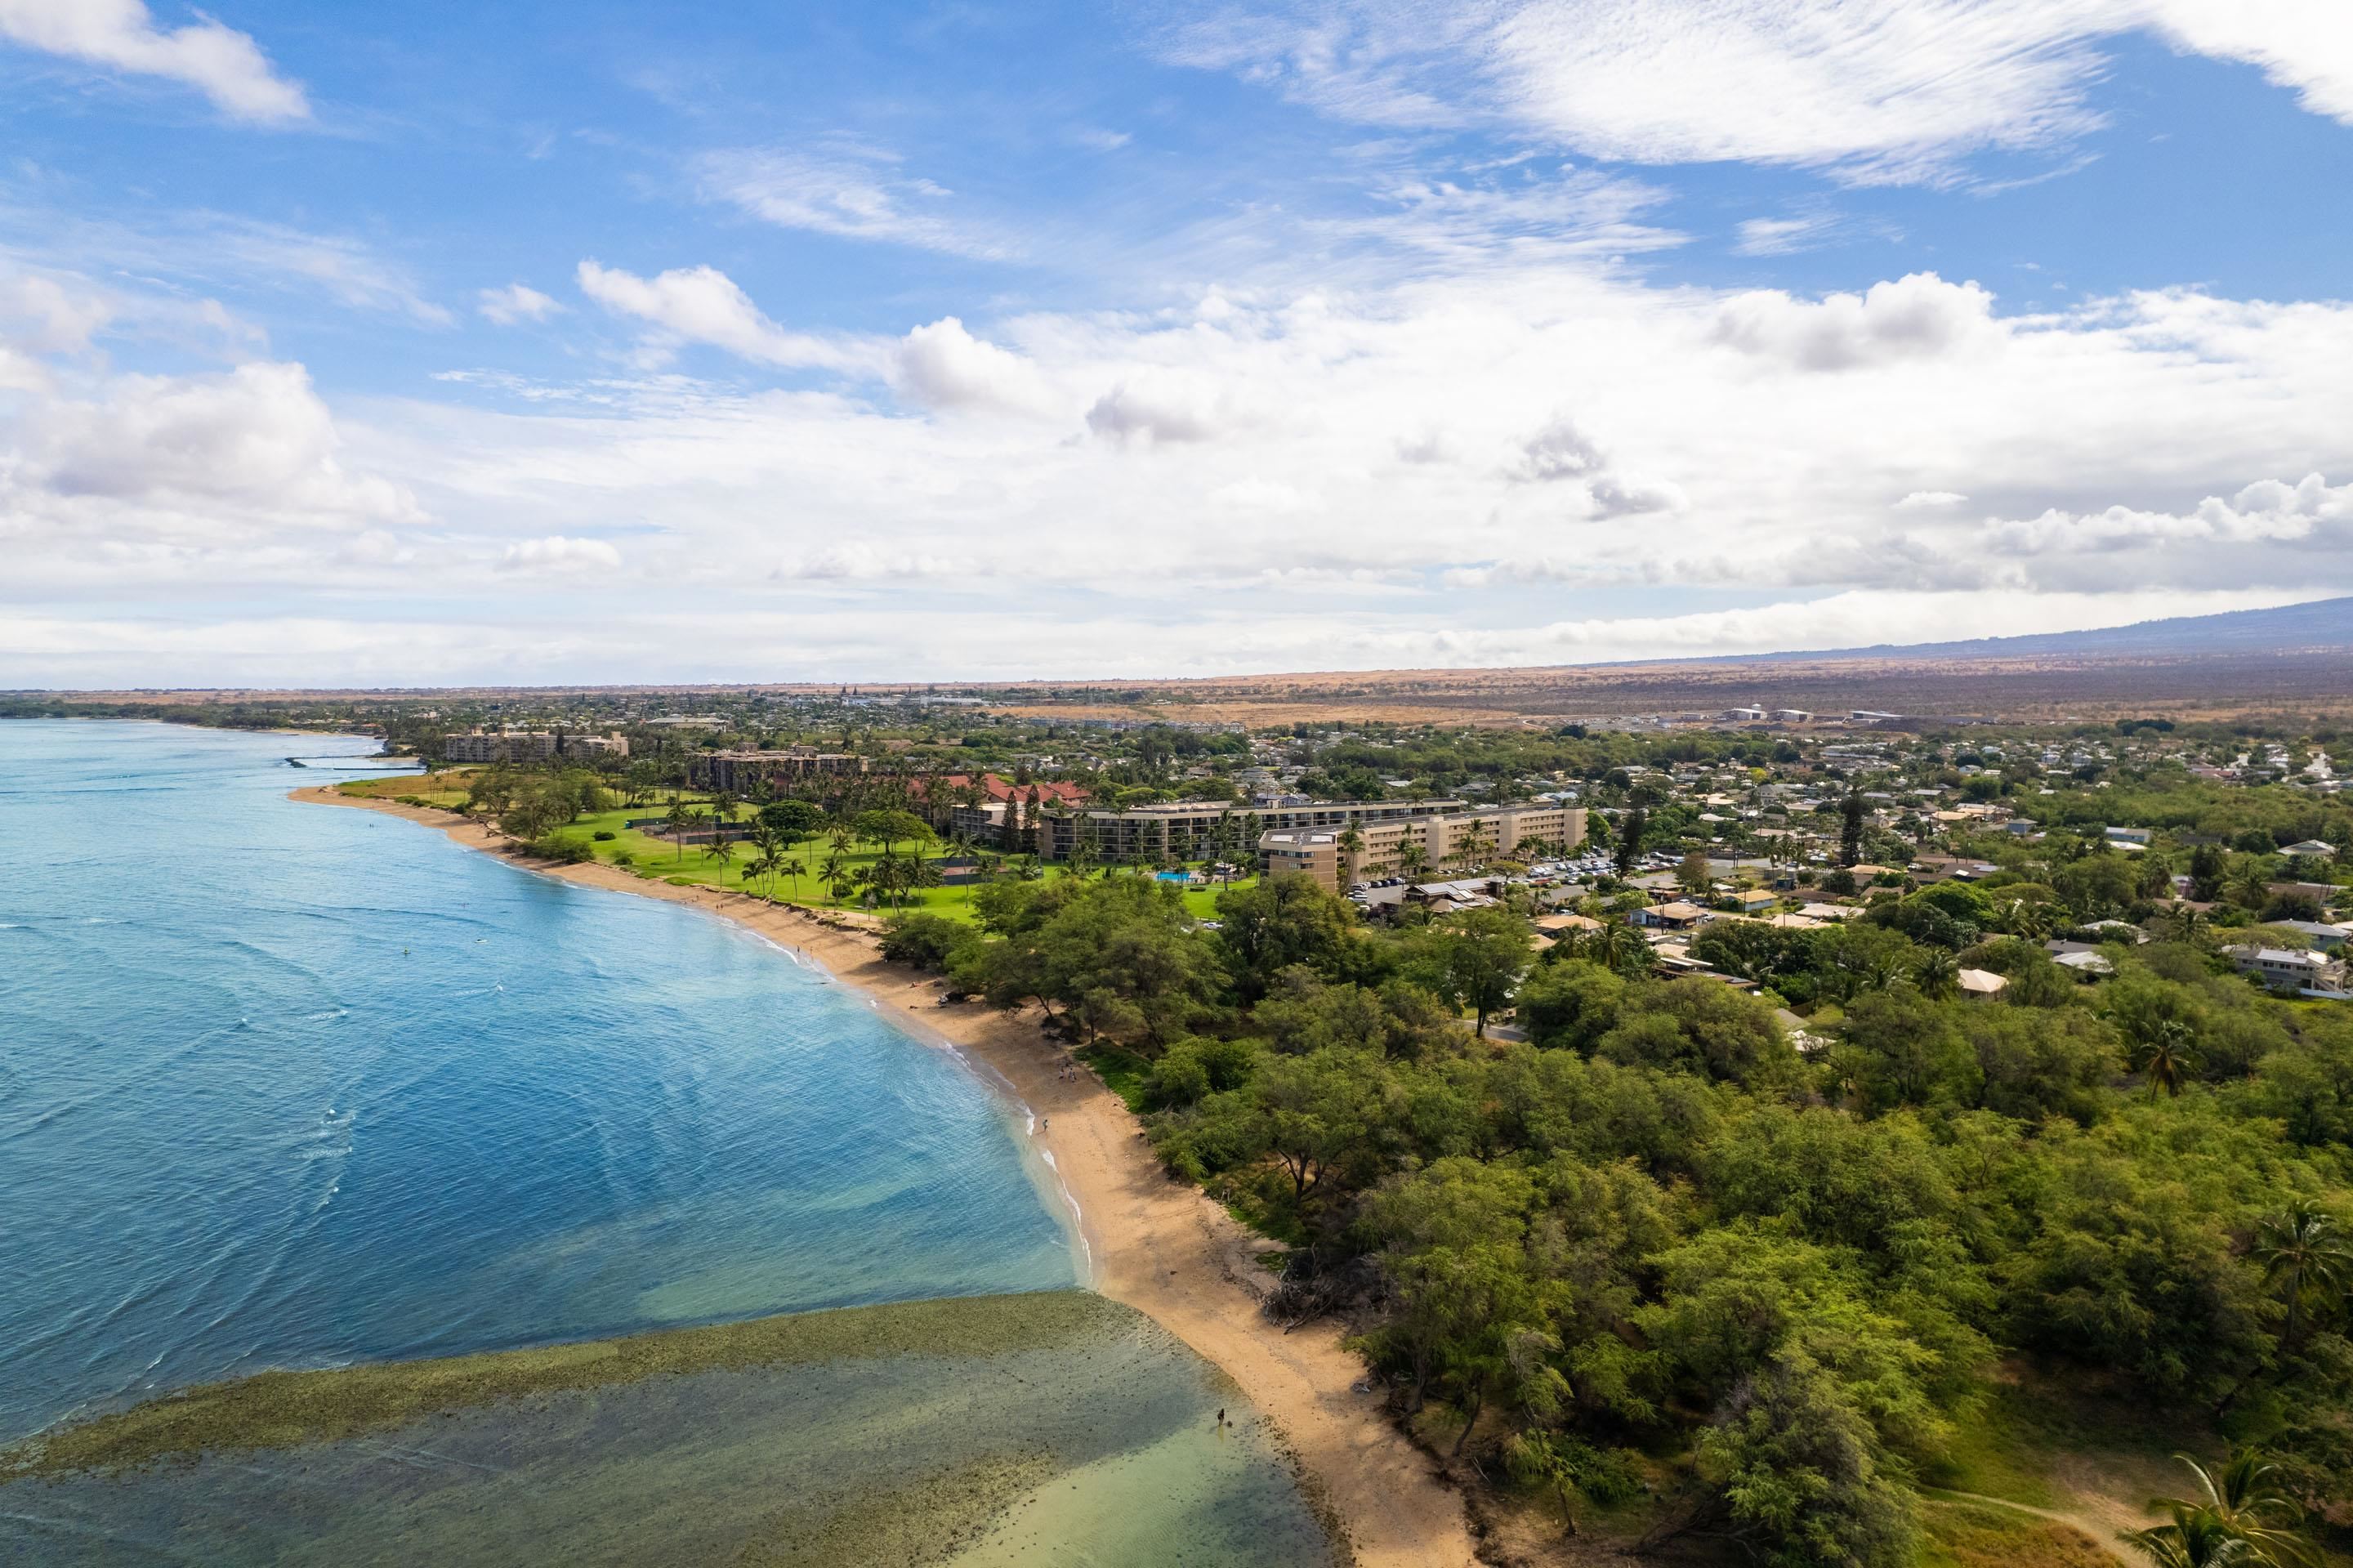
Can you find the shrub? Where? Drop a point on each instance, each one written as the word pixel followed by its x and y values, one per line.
pixel 603 835
pixel 923 939
pixel 560 847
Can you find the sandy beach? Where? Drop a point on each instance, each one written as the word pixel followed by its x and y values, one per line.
pixel 1154 1243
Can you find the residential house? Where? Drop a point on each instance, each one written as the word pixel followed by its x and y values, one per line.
pixel 1982 985
pixel 2289 969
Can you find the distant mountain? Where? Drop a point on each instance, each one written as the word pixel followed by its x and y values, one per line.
pixel 2320 624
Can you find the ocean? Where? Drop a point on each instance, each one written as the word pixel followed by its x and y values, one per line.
pixel 282 1085
pixel 288 1087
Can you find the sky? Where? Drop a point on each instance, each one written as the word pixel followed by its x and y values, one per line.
pixel 440 343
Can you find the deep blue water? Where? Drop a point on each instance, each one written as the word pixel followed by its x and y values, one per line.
pixel 288 1085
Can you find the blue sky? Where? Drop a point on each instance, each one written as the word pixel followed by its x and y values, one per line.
pixel 440 343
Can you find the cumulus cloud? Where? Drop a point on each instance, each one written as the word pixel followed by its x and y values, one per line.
pixel 1918 316
pixel 257 434
pixel 516 303
pixel 2311 513
pixel 1344 479
pixel 703 304
pixel 223 64
pixel 556 553
pixel 942 365
pixel 1157 407
pixel 1559 450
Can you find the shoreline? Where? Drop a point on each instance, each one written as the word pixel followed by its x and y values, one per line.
pixel 1150 1242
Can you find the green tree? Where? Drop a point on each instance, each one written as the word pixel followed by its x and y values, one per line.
pixel 1476 957
pixel 1571 1003
pixel 2167 1056
pixel 1280 921
pixel 1851 818
pixel 2303 1251
pixel 796 819
pixel 2243 1497
pixel 2195 1539
pixel 1630 840
pixel 1701 1026
pixel 1695 875
pixel 1324 1113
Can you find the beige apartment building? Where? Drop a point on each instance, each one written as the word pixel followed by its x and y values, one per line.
pixel 1184 829
pixel 1432 843
pixel 740 772
pixel 478 746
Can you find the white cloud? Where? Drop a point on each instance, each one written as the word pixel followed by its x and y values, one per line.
pixel 942 365
pixel 1786 236
pixel 2304 43
pixel 1265 495
pixel 557 554
pixel 1394 476
pixel 1901 89
pixel 258 435
pixel 703 304
pixel 225 65
pixel 516 303
pixel 1160 408
pixel 852 194
pixel 1919 316
pixel 349 271
pixel 1559 450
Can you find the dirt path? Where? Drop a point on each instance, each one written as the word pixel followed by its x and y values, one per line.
pixel 2102 1533
pixel 1153 1242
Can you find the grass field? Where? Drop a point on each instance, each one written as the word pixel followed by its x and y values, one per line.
pixel 650 854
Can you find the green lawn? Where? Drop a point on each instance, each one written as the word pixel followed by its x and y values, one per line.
pixel 650 854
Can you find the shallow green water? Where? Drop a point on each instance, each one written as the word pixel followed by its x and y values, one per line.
pixel 1059 1429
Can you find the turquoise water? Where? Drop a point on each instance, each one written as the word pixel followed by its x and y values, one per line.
pixel 291 1086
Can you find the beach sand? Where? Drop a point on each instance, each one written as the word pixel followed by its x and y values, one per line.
pixel 1153 1243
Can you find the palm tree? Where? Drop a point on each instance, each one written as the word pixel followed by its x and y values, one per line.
pixel 1352 853
pixel 794 869
pixel 2302 1249
pixel 1623 949
pixel 677 820
pixel 2168 1056
pixel 721 849
pixel 1938 974
pixel 2249 889
pixel 2027 920
pixel 2188 924
pixel 2242 1499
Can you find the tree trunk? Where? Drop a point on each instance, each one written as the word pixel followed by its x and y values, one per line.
pixel 1477 1402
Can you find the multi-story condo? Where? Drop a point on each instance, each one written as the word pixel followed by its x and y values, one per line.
pixel 1431 842
pixel 741 772
pixel 1184 829
pixel 477 746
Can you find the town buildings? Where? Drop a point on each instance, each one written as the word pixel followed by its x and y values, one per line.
pixel 480 746
pixel 744 772
pixel 1425 834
